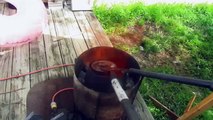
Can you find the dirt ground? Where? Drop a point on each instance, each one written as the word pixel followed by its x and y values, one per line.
pixel 134 37
pixel 131 37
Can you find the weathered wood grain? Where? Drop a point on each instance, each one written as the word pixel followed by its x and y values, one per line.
pixel 97 29
pixel 86 30
pixel 18 98
pixel 2 83
pixel 55 4
pixel 65 44
pixel 20 86
pixel 5 68
pixel 141 108
pixel 7 57
pixel 52 49
pixel 75 32
pixel 37 61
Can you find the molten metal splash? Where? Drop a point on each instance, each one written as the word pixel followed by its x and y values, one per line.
pixel 24 26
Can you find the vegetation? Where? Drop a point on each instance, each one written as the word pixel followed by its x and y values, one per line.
pixel 183 32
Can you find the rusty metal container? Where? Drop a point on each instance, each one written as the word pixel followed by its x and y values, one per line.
pixel 93 95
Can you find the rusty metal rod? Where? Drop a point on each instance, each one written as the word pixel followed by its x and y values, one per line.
pixel 172 115
pixel 173 78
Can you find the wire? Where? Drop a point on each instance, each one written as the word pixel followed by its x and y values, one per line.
pixel 36 71
pixel 53 104
pixel 60 91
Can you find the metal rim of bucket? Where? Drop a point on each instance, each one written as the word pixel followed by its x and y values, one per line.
pixel 83 67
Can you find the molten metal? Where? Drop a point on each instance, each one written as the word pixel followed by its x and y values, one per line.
pixel 103 66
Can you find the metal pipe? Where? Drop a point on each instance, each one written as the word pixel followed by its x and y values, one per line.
pixel 173 78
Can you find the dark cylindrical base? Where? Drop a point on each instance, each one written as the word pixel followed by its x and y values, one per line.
pixel 94 94
pixel 99 106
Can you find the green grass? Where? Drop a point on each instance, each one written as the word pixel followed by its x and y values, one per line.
pixel 183 31
pixel 118 17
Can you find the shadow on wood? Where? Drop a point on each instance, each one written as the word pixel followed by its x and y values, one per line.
pixel 39 97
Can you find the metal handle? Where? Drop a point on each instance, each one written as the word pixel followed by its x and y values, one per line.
pixel 125 102
pixel 173 78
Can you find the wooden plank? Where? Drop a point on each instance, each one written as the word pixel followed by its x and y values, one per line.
pixel 2 83
pixel 198 109
pixel 65 44
pixel 7 57
pixel 2 75
pixel 189 105
pixel 50 29
pixel 74 31
pixel 55 1
pixel 18 98
pixel 59 25
pixel 97 29
pixel 141 108
pixel 55 4
pixel 20 86
pixel 86 30
pixel 37 61
pixel 52 49
pixel 5 67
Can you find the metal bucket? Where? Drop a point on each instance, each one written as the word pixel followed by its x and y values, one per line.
pixel 94 96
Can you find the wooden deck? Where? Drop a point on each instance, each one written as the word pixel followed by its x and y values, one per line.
pixel 67 35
